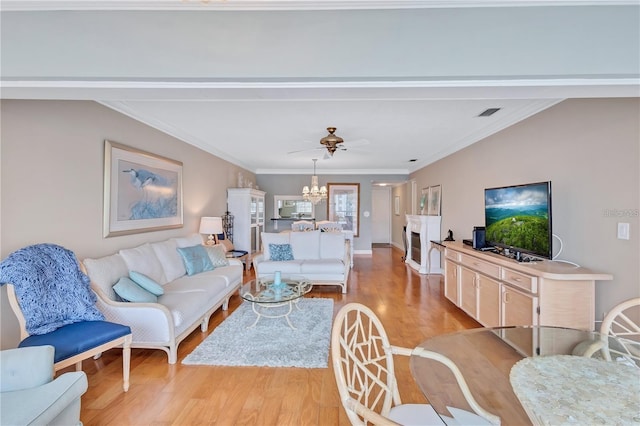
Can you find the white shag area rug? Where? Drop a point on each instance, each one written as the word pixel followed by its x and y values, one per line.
pixel 271 342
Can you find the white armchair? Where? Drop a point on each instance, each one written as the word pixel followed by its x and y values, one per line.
pixel 29 394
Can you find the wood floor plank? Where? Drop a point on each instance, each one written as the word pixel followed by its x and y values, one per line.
pixel 411 306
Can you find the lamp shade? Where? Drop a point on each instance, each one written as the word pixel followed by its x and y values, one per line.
pixel 211 225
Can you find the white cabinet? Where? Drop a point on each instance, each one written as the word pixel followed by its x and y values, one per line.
pixel 497 291
pixel 247 207
pixel 451 281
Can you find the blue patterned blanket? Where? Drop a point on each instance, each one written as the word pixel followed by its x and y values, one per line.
pixel 51 288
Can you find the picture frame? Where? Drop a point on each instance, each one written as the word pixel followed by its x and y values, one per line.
pixel 343 205
pixel 396 205
pixel 424 200
pixel 435 195
pixel 142 191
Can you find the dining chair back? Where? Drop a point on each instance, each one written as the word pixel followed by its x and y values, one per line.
pixel 328 226
pixel 623 322
pixel 54 305
pixel 363 365
pixel 302 225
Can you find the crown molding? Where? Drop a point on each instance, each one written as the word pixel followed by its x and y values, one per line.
pixel 256 5
pixel 109 90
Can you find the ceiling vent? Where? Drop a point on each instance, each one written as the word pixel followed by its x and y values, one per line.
pixel 488 112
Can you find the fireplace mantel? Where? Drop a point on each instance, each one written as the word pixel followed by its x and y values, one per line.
pixel 427 228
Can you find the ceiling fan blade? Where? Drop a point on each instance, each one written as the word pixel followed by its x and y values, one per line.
pixel 306 150
pixel 355 143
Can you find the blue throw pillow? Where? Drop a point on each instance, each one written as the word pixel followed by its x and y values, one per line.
pixel 280 252
pixel 147 283
pixel 132 292
pixel 195 259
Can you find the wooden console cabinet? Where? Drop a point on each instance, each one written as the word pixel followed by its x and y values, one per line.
pixel 498 291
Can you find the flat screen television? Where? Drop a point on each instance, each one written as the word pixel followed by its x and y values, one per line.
pixel 518 217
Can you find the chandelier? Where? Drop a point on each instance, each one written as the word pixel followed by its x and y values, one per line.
pixel 315 194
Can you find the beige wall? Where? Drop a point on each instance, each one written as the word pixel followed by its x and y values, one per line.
pixel 52 179
pixel 590 151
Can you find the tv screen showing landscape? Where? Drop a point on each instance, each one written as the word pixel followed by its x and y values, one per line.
pixel 519 217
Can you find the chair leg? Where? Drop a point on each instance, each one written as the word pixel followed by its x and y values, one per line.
pixel 126 362
pixel 79 365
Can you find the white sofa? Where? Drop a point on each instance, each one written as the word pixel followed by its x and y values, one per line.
pixel 187 302
pixel 322 257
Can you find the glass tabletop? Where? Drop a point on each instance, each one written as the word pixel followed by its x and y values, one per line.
pixel 528 375
pixel 266 290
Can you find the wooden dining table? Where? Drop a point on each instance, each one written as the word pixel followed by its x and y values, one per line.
pixel 529 375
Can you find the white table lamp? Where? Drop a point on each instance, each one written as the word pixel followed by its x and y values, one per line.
pixel 211 226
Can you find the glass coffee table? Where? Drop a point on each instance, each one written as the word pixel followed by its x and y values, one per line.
pixel 272 300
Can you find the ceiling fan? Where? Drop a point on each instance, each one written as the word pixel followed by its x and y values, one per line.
pixel 333 143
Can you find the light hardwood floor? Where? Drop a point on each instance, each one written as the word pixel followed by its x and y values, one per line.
pixel 412 308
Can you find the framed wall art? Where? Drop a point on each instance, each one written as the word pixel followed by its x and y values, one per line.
pixel 343 205
pixel 424 199
pixel 142 191
pixel 435 194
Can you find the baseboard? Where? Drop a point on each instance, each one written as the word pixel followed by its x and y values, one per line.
pixel 363 252
pixel 398 246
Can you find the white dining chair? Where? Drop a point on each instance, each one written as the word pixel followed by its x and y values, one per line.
pixel 303 225
pixel 620 323
pixel 328 226
pixel 363 365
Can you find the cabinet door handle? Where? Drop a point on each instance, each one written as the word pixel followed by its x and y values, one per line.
pixel 516 279
pixel 505 297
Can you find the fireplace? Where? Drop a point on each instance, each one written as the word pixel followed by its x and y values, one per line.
pixel 416 247
pixel 420 231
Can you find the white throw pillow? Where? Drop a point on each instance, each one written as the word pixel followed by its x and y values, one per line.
pixel 190 241
pixel 273 238
pixel 305 245
pixel 172 264
pixel 331 245
pixel 143 259
pixel 217 255
pixel 106 271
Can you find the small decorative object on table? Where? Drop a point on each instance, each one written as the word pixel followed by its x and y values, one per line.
pixel 449 236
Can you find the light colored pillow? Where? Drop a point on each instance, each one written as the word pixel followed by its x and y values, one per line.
pixel 273 238
pixel 105 272
pixel 331 245
pixel 305 245
pixel 170 259
pixel 144 260
pixel 227 245
pixel 196 259
pixel 147 283
pixel 132 292
pixel 281 252
pixel 217 255
pixel 190 241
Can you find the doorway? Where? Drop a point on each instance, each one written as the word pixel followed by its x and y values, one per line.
pixel 381 215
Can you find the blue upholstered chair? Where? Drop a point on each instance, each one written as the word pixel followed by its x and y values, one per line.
pixel 55 305
pixel 30 396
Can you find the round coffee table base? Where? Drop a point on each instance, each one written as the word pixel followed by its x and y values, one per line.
pixel 264 306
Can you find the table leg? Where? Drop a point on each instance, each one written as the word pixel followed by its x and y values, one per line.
pixel 259 314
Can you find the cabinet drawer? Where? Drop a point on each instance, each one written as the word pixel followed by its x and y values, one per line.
pixel 520 280
pixel 482 266
pixel 453 255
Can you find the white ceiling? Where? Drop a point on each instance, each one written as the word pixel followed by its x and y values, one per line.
pixel 251 84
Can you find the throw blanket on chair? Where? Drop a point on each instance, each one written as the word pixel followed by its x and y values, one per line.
pixel 50 287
